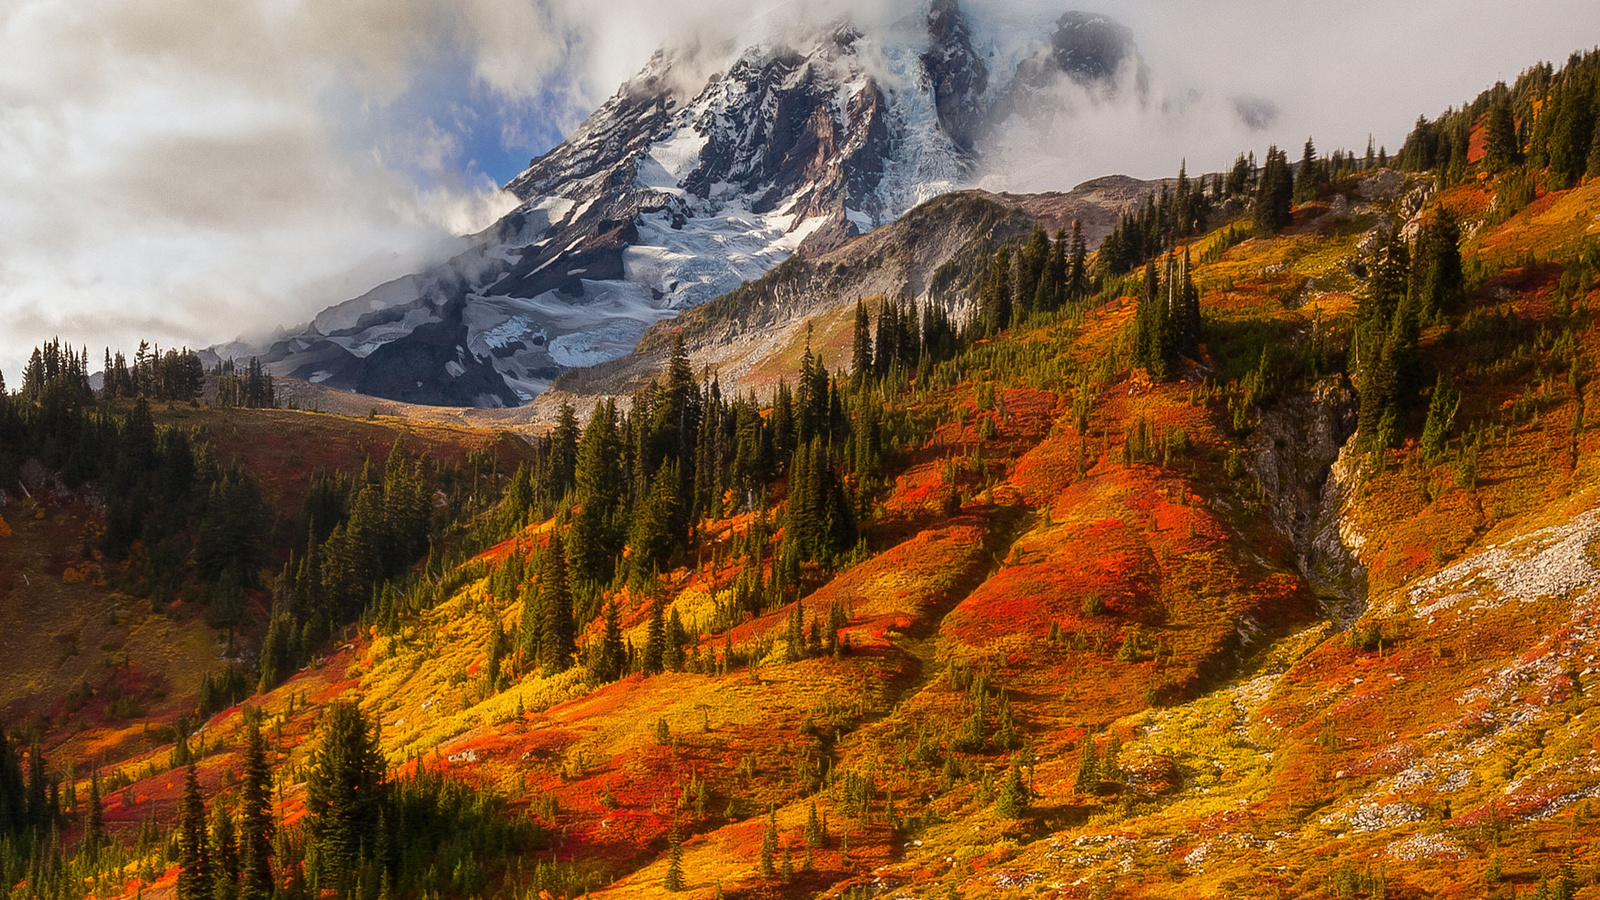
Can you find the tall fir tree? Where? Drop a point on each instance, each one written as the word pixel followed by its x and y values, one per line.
pixel 1078 264
pixel 600 477
pixel 996 302
pixel 608 656
pixel 674 880
pixel 655 644
pixel 195 877
pixel 1312 176
pixel 1501 148
pixel 1274 195
pixel 555 597
pixel 94 834
pixel 224 855
pixel 345 794
pixel 861 344
pixel 257 828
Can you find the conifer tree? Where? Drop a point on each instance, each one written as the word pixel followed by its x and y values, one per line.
pixel 1501 147
pixel 1110 763
pixel 555 598
pixel 1029 265
pixel 94 834
pixel 1056 272
pixel 814 833
pixel 1012 801
pixel 194 851
pixel 1312 176
pixel 794 636
pixel 861 346
pixel 345 793
pixel 996 302
pixel 1388 276
pixel 224 855
pixel 781 423
pixel 595 536
pixel 1088 768
pixel 607 656
pixel 1592 170
pixel 1569 125
pixel 655 640
pixel 1238 177
pixel 672 651
pixel 1436 275
pixel 769 845
pixel 1153 332
pixel 1442 409
pixel 658 524
pixel 530 629
pixel 1274 195
pixel 1078 264
pixel 674 880
pixel 256 826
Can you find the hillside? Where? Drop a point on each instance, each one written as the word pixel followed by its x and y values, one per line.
pixel 936 253
pixel 1264 567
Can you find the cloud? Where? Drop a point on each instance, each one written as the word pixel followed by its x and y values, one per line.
pixel 190 172
pixel 1239 75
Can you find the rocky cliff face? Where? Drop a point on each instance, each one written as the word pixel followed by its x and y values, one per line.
pixel 661 201
pixel 1302 459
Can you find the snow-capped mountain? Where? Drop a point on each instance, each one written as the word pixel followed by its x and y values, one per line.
pixel 662 200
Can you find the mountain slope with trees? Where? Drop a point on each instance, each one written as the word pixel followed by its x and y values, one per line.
pixel 1251 557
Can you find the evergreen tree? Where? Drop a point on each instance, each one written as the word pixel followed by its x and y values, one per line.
pixel 794 635
pixel 530 630
pixel 1571 125
pixel 1436 276
pixel 672 651
pixel 555 598
pixel 1154 345
pixel 769 845
pixel 861 346
pixel 1078 264
pixel 1388 276
pixel 1501 147
pixel 1591 171
pixel 224 855
pixel 607 658
pixel 658 524
pixel 256 826
pixel 94 834
pixel 781 424
pixel 1029 265
pixel 1274 195
pixel 1442 409
pixel 674 880
pixel 655 639
pixel 1058 272
pixel 1088 779
pixel 195 877
pixel 1012 800
pixel 595 534
pixel 1312 177
pixel 811 400
pixel 345 794
pixel 1238 177
pixel 996 302
pixel 1110 762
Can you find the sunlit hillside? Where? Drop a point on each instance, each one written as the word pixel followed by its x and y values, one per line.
pixel 1255 556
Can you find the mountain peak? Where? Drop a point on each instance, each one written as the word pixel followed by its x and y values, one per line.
pixel 682 186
